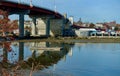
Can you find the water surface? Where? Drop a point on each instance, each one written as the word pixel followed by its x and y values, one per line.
pixel 89 59
pixel 79 59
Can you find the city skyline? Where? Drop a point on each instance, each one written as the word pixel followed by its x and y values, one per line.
pixel 89 11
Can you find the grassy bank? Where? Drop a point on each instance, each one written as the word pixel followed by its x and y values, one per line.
pixel 76 40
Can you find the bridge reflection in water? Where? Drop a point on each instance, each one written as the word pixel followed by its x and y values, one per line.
pixel 18 56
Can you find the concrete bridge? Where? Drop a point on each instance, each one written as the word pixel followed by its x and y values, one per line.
pixel 49 17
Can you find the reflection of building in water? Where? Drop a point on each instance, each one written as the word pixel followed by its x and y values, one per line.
pixel 70 53
pixel 38 44
pixel 64 58
pixel 21 51
pixel 11 52
pixel 54 67
pixel 41 47
pixel 42 58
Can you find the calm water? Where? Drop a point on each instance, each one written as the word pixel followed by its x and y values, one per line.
pixel 90 59
pixel 79 59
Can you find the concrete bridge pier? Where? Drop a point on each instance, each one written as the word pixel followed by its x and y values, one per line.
pixel 21 14
pixel 21 25
pixel 46 20
pixel 35 25
pixel 63 26
pixel 21 51
pixel 54 26
pixel 48 27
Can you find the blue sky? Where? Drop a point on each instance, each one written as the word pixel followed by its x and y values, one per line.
pixel 88 10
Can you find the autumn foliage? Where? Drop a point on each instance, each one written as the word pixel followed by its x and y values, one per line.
pixel 5 24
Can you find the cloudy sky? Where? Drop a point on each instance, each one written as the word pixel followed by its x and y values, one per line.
pixel 87 10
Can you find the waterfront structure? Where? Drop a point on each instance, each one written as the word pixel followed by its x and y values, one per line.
pixel 98 25
pixel 102 29
pixel 84 32
pixel 49 17
pixel 40 29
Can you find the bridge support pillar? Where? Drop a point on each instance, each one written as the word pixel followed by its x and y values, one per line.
pixel 35 25
pixel 63 26
pixel 21 51
pixel 48 27
pixel 47 44
pixel 21 25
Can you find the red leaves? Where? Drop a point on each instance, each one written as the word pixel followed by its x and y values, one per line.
pixel 5 24
pixel 7 46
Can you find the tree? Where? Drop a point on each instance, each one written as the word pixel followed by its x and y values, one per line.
pixel 116 28
pixel 5 24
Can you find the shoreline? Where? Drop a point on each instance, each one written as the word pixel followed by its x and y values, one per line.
pixel 69 40
pixel 75 40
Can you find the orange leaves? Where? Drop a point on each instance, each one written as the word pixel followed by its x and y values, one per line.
pixel 4 13
pixel 4 21
pixel 5 24
pixel 14 24
pixel 8 47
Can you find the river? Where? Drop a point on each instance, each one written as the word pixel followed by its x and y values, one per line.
pixel 78 59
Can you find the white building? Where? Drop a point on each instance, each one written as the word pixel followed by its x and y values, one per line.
pixel 84 32
pixel 98 25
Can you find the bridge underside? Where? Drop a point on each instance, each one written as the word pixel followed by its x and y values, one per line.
pixel 33 12
pixel 15 8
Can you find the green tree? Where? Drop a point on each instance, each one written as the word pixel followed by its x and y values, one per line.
pixel 116 28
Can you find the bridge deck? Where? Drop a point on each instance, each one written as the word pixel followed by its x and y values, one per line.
pixel 35 11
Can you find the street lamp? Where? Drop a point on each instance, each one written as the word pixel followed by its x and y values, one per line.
pixel 31 3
